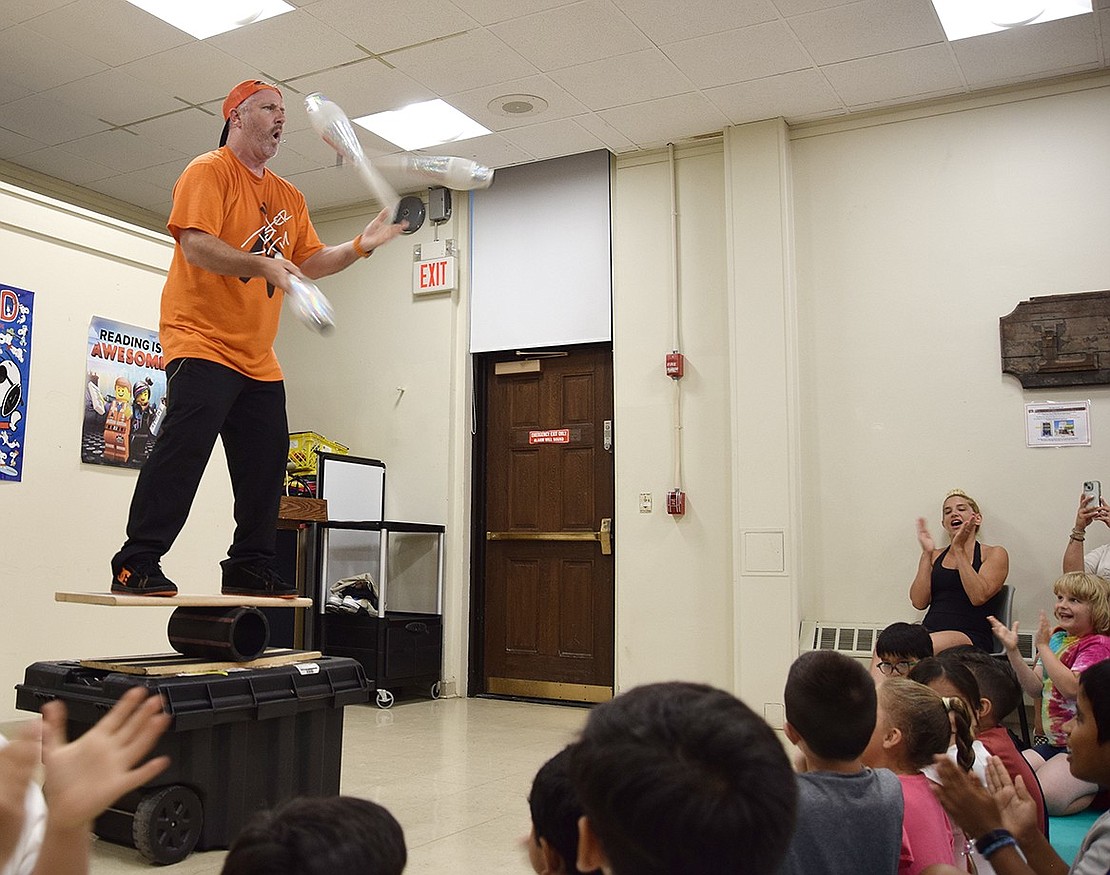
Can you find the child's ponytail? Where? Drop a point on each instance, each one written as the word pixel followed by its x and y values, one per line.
pixel 960 718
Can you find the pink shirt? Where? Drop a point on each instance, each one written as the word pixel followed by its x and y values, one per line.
pixel 927 830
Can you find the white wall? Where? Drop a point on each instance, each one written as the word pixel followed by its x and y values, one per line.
pixel 65 520
pixel 914 237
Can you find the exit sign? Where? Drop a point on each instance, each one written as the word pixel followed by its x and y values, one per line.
pixel 434 275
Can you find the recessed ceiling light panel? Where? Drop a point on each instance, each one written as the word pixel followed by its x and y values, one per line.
pixel 966 18
pixel 421 125
pixel 205 18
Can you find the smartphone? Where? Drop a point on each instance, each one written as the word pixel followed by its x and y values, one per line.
pixel 1092 493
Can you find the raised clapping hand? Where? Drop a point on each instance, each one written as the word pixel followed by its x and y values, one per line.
pixel 928 545
pixel 1008 637
pixel 1085 514
pixel 85 776
pixel 966 532
pixel 1002 803
pixel 1044 632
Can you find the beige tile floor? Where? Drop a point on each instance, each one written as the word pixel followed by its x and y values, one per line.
pixel 454 772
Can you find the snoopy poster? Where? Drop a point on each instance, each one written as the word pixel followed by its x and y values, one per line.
pixel 125 391
pixel 16 308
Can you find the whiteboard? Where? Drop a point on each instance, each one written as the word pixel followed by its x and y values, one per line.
pixel 541 256
pixel 353 487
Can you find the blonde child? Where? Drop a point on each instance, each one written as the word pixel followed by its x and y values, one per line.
pixel 913 725
pixel 1078 641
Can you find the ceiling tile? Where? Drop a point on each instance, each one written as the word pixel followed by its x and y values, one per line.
pixel 738 55
pixel 35 62
pixel 126 187
pixel 290 160
pixel 658 18
pixel 121 150
pixel 108 30
pixel 799 7
pixel 188 132
pixel 392 24
pixel 196 72
pixel 47 121
pixel 574 34
pixel 114 97
pixel 307 45
pixel 493 150
pixel 13 144
pixel 475 103
pixel 610 136
pixel 491 11
pixel 65 165
pixel 872 27
pixel 802 94
pixel 14 13
pixel 360 89
pixel 554 139
pixel 658 122
pixel 922 72
pixel 631 78
pixel 1055 47
pixel 10 91
pixel 461 62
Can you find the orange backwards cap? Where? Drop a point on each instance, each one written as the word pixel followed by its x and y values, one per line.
pixel 244 90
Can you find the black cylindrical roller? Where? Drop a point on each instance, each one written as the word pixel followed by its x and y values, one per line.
pixel 231 634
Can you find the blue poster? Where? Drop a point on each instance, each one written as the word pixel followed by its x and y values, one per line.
pixel 125 392
pixel 16 308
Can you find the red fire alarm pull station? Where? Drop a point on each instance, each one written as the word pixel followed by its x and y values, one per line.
pixel 676 502
pixel 675 362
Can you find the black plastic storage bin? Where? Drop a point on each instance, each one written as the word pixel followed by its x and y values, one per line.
pixel 238 743
pixel 401 650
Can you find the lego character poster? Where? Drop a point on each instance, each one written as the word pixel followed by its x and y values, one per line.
pixel 125 391
pixel 16 311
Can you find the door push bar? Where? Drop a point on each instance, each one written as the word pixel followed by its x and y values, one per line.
pixel 604 536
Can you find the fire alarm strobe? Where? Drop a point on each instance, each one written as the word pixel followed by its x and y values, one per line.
pixel 675 363
pixel 676 502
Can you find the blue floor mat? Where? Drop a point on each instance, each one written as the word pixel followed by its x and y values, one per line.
pixel 1066 833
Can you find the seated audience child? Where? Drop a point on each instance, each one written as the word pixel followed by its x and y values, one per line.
pixel 319 835
pixel 553 842
pixel 849 817
pixel 1000 696
pixel 1078 642
pixel 912 726
pixel 81 778
pixel 1003 814
pixel 681 777
pixel 898 648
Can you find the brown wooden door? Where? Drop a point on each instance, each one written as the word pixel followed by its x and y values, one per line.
pixel 548 602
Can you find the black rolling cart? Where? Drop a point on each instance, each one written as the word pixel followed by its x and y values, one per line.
pixel 241 741
pixel 400 644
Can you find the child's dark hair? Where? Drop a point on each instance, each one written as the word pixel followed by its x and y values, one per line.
pixel 682 777
pixel 996 678
pixel 904 639
pixel 955 672
pixel 830 701
pixel 319 835
pixel 555 808
pixel 922 715
pixel 1095 682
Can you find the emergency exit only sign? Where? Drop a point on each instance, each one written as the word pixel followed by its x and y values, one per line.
pixel 434 275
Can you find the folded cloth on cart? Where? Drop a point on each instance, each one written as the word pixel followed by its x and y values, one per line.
pixel 354 594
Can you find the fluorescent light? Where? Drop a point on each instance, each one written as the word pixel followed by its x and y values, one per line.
pixel 420 125
pixel 205 18
pixel 964 18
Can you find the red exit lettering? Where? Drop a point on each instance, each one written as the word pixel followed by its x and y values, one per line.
pixel 433 273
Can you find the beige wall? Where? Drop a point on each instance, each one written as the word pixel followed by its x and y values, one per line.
pixel 858 332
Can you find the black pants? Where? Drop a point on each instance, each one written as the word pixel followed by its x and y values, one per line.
pixel 205 399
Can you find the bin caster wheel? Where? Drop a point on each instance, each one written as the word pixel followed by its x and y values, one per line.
pixel 435 691
pixel 385 699
pixel 167 824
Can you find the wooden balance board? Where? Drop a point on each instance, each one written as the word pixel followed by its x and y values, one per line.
pixel 167 664
pixel 181 600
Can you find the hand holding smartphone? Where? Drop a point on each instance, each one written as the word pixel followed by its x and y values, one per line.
pixel 1092 493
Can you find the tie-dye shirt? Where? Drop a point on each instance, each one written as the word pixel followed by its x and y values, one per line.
pixel 1078 654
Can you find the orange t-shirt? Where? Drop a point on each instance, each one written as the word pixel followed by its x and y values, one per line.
pixel 228 319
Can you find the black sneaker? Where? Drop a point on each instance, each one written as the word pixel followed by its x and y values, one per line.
pixel 142 575
pixel 256 578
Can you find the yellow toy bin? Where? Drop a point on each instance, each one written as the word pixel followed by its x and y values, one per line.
pixel 303 447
